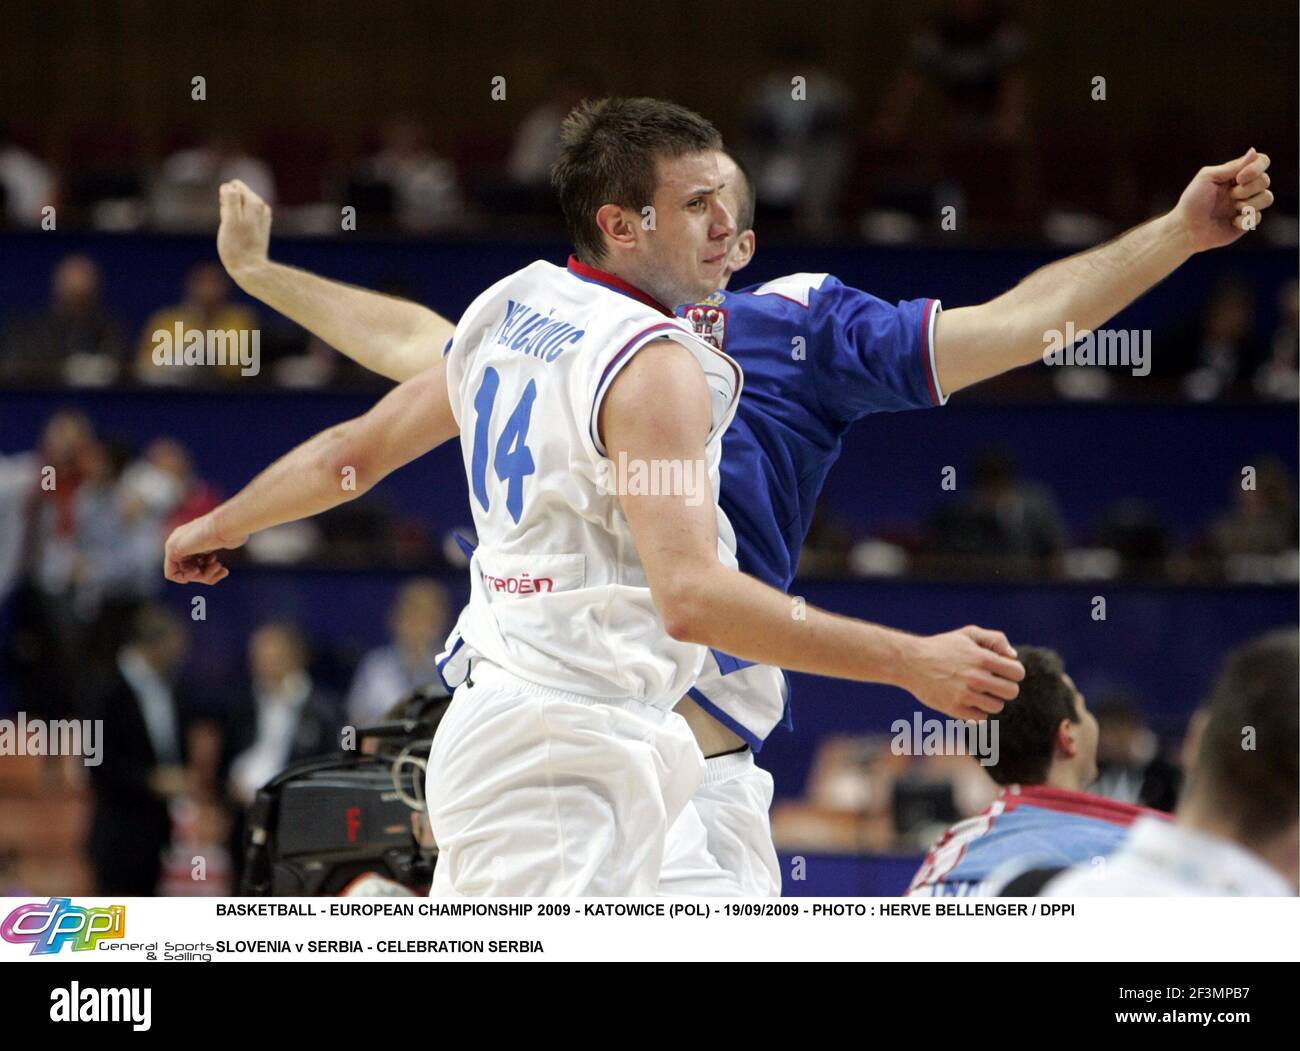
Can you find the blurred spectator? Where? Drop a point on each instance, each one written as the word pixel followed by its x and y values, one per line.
pixel 1223 347
pixel 284 717
pixel 865 795
pixel 406 182
pixel 969 147
pixel 119 548
pixel 826 547
pixel 184 196
pixel 1135 531
pixel 536 146
pixel 971 55
pixel 48 637
pixel 205 308
pixel 1004 518
pixel 18 478
pixel 797 136
pixel 1132 769
pixel 1263 520
pixel 165 486
pixel 26 184
pixel 143 756
pixel 74 338
pixel 522 187
pixel 418 626
pixel 1279 377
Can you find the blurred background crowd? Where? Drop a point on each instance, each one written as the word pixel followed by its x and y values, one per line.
pixel 1172 495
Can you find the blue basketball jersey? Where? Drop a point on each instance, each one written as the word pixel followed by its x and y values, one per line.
pixel 817 355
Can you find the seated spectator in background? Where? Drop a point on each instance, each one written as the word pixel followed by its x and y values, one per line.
pixel 143 756
pixel 184 197
pixel 73 339
pixel 406 183
pixel 284 716
pixel 118 545
pixel 1223 348
pixel 26 184
pixel 1237 828
pixel 1135 532
pixel 971 54
pixel 165 484
pixel 1004 518
pixel 1279 377
pixel 523 187
pixel 418 624
pixel 798 147
pixel 1263 520
pixel 952 127
pixel 206 307
pixel 1046 756
pixel 1131 768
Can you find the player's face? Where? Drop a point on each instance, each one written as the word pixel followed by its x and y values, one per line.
pixel 687 247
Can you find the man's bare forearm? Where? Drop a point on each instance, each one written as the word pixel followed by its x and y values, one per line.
pixel 742 616
pixel 393 337
pixel 1087 289
pixel 312 478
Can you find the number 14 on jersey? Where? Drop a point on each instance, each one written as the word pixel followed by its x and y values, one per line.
pixel 511 458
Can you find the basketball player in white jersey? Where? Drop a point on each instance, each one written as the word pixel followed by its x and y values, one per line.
pixel 561 764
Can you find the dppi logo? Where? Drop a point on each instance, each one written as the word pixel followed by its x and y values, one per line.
pixel 48 927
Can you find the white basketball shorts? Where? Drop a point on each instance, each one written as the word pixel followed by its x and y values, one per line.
pixel 722 843
pixel 534 791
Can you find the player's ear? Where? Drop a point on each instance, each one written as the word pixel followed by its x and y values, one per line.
pixel 1067 743
pixel 617 224
pixel 742 253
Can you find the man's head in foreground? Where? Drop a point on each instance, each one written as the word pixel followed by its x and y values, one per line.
pixel 639 184
pixel 1047 736
pixel 1245 781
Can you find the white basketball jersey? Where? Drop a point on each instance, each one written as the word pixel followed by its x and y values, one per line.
pixel 558 595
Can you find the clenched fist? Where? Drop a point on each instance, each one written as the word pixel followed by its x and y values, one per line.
pixel 1224 201
pixel 244 237
pixel 190 554
pixel 966 674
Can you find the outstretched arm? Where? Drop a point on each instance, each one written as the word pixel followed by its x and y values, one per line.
pixel 966 673
pixel 393 337
pixel 337 465
pixel 1219 205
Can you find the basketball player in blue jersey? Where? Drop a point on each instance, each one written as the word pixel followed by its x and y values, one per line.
pixel 817 356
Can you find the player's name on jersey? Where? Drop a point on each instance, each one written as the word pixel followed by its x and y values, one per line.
pixel 530 331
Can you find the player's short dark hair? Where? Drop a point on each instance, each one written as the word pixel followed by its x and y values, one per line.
pixel 1027 726
pixel 609 149
pixel 1248 760
pixel 745 212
